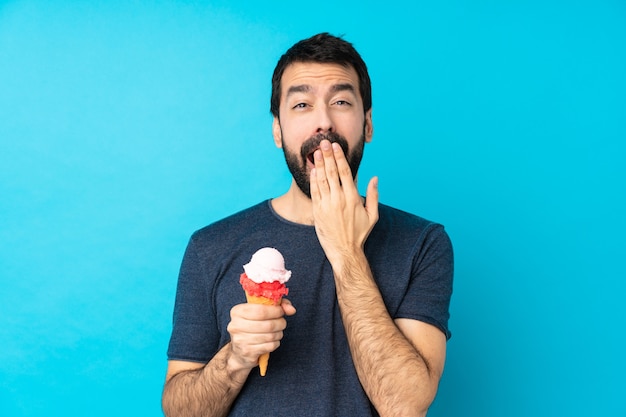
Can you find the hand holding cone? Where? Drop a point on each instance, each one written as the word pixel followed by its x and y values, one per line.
pixel 253 299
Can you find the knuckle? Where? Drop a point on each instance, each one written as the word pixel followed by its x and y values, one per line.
pixel 281 325
pixel 265 326
pixel 232 328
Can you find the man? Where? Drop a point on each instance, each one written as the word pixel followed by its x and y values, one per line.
pixel 372 284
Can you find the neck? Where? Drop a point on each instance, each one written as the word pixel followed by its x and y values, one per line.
pixel 294 206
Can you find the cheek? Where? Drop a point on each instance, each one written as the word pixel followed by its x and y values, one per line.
pixel 294 132
pixel 353 131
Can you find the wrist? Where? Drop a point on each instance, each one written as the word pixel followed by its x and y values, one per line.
pixel 235 369
pixel 349 263
pixel 352 255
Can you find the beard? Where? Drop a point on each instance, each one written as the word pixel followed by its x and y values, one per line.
pixel 297 162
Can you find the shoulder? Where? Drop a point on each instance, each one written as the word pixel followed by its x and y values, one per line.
pixel 238 222
pixel 224 234
pixel 407 240
pixel 401 225
pixel 392 215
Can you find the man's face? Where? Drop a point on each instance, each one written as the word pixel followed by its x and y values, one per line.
pixel 320 101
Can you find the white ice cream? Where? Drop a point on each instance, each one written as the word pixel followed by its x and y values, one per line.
pixel 267 265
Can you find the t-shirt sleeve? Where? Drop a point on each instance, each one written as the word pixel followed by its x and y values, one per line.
pixel 193 335
pixel 428 295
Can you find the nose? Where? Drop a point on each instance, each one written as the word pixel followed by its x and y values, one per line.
pixel 324 120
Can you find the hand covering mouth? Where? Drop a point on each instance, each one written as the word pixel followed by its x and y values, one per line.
pixel 312 144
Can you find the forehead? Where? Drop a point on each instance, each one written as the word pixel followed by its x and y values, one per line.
pixel 318 75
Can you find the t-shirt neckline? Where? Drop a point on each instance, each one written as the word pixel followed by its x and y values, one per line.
pixel 283 220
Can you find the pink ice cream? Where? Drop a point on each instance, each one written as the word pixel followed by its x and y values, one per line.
pixel 267 265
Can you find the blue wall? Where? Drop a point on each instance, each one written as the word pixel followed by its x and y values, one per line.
pixel 125 126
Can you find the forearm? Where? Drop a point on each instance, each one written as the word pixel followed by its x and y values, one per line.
pixel 393 372
pixel 207 391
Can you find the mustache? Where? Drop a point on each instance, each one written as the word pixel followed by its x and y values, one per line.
pixel 311 144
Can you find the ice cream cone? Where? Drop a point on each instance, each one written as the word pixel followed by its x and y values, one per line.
pixel 255 299
pixel 264 283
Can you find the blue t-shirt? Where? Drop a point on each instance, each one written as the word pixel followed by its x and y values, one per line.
pixel 311 373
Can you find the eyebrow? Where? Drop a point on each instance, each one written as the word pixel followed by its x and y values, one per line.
pixel 342 87
pixel 305 88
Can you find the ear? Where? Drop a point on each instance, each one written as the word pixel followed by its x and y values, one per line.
pixel 369 126
pixel 277 133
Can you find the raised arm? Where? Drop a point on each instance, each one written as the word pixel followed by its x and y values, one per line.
pixel 398 363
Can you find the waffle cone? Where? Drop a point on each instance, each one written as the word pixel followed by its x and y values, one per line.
pixel 254 299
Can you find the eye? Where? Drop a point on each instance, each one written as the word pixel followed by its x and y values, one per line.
pixel 342 103
pixel 299 106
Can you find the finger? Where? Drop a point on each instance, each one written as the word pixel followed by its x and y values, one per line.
pixel 288 308
pixel 313 186
pixel 256 312
pixel 320 179
pixel 371 199
pixel 345 173
pixel 258 327
pixel 330 165
pixel 248 349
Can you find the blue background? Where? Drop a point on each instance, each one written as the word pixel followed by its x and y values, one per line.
pixel 125 126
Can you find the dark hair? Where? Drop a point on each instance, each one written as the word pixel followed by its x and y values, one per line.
pixel 322 48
